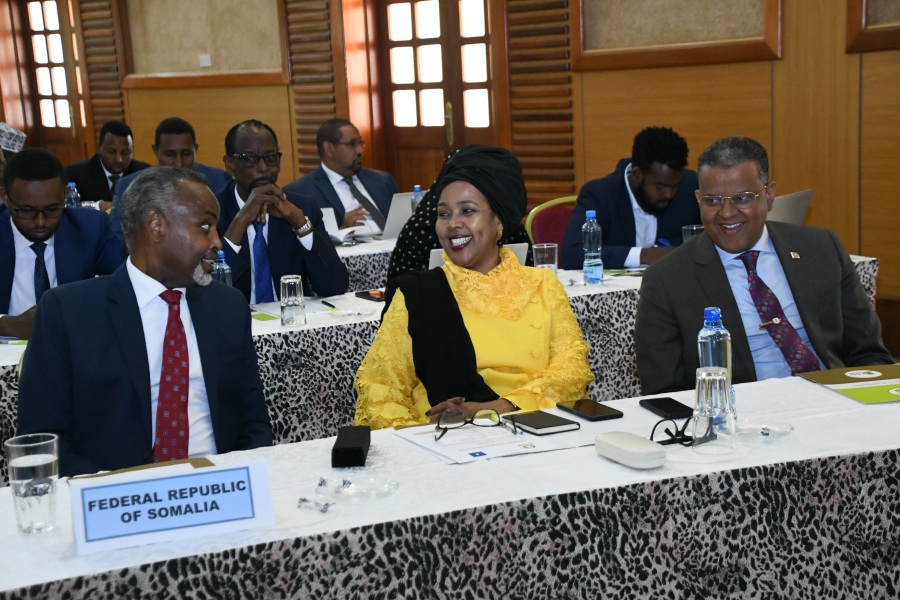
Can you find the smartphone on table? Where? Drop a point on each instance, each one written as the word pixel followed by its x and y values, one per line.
pixel 589 409
pixel 373 295
pixel 667 408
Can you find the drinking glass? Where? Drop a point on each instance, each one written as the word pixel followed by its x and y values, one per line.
pixel 689 231
pixel 545 256
pixel 293 305
pixel 712 427
pixel 33 471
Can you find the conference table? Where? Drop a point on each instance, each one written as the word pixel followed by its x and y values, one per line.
pixel 811 514
pixel 308 372
pixel 367 263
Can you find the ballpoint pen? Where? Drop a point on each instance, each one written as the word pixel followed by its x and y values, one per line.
pixel 327 303
pixel 663 242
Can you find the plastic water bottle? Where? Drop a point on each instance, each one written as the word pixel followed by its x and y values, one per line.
pixel 592 238
pixel 714 345
pixel 417 196
pixel 221 271
pixel 73 198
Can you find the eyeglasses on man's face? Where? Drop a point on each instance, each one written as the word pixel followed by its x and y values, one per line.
pixel 248 160
pixel 453 418
pixel 739 200
pixel 28 213
pixel 360 143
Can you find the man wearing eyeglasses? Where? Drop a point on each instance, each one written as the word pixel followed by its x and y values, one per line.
pixel 789 294
pixel 358 196
pixel 641 206
pixel 42 243
pixel 268 233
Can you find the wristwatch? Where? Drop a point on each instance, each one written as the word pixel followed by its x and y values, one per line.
pixel 304 229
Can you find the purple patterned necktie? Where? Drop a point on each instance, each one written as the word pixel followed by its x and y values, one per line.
pixel 172 429
pixel 799 358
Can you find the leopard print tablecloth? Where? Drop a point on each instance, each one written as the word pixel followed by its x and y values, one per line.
pixel 823 528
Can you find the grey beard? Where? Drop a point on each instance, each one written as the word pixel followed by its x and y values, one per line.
pixel 201 277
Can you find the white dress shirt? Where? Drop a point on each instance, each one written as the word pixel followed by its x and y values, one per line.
pixel 154 317
pixel 644 227
pixel 21 297
pixel 306 241
pixel 767 358
pixel 346 196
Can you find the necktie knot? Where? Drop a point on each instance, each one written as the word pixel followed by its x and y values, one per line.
pixel 113 179
pixel 750 257
pixel 258 228
pixel 172 298
pixel 39 248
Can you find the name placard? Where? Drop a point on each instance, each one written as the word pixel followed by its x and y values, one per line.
pixel 157 505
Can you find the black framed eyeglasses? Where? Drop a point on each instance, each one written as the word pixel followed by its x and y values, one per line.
pixel 28 213
pixel 672 434
pixel 739 200
pixel 453 418
pixel 248 160
pixel 353 143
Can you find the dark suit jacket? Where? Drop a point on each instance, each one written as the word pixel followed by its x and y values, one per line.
pixel 837 314
pixel 609 197
pixel 89 178
pixel 315 184
pixel 101 411
pixel 323 272
pixel 83 247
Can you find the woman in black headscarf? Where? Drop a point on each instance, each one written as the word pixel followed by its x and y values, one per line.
pixel 482 331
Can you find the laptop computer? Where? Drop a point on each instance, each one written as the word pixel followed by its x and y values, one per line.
pixel 398 215
pixel 790 208
pixel 520 250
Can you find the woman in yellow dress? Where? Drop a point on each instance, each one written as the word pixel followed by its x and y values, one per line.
pixel 482 331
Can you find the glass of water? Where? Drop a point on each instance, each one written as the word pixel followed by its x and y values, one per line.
pixel 545 256
pixel 713 427
pixel 33 471
pixel 293 305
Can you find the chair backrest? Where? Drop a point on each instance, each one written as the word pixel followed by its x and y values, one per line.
pixel 790 208
pixel 547 222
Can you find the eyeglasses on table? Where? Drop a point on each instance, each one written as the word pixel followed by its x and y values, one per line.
pixel 673 434
pixel 453 418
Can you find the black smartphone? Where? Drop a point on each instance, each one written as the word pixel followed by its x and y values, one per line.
pixel 589 409
pixel 373 295
pixel 667 408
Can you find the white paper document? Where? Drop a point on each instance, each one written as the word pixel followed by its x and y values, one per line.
pixel 470 443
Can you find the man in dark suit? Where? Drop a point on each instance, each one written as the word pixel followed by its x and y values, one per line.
pixel 42 243
pixel 96 177
pixel 358 196
pixel 789 294
pixel 268 232
pixel 641 207
pixel 175 145
pixel 185 381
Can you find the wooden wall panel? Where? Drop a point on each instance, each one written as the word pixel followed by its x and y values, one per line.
pixel 816 112
pixel 702 103
pixel 880 166
pixel 103 61
pixel 212 112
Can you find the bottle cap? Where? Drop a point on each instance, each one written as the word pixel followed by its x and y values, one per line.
pixel 417 188
pixel 221 254
pixel 71 185
pixel 712 313
pixel 591 214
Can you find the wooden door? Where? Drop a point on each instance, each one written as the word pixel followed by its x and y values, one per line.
pixel 444 82
pixel 55 67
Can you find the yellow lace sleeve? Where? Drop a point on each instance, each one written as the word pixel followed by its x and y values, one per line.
pixel 567 373
pixel 387 376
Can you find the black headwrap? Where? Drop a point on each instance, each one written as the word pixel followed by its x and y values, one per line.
pixel 496 173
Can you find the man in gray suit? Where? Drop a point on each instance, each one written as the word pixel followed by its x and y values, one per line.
pixel 789 294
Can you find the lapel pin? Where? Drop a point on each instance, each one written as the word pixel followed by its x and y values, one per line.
pixel 795 255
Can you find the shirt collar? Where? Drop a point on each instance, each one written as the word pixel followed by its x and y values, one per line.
pixel 634 204
pixel 237 196
pixel 335 178
pixel 763 245
pixel 145 287
pixel 23 243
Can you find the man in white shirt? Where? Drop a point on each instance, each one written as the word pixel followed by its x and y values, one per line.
pixel 358 196
pixel 185 381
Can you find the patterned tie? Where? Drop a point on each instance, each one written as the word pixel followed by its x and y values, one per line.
pixel 41 281
pixel 112 182
pixel 262 273
pixel 172 429
pixel 367 204
pixel 800 358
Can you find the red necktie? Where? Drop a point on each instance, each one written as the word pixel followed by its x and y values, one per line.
pixel 799 358
pixel 172 430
